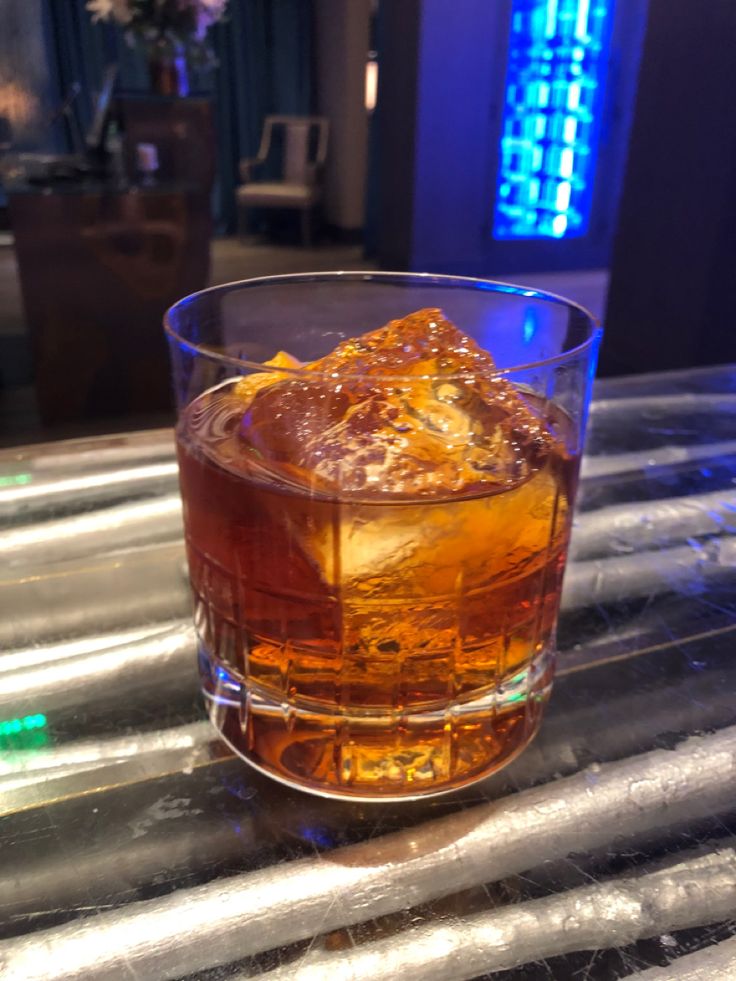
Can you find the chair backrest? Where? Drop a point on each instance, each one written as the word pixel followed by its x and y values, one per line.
pixel 303 145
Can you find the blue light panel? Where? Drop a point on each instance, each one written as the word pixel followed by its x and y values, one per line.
pixel 558 57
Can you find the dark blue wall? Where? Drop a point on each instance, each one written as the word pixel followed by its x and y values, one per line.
pixel 441 96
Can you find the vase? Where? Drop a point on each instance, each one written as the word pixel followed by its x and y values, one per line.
pixel 168 72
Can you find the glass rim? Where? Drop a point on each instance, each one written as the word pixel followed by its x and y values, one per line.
pixel 457 282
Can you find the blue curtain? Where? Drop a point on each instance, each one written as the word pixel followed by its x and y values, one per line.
pixel 264 51
pixel 265 66
pixel 78 52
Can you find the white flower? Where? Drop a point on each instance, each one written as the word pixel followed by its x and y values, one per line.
pixel 212 9
pixel 208 12
pixel 100 9
pixel 119 10
pixel 122 11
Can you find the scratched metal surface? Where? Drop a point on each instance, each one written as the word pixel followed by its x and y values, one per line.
pixel 132 845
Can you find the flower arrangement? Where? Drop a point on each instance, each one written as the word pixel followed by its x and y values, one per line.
pixel 159 26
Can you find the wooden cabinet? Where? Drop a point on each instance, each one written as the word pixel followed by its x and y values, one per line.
pixel 98 268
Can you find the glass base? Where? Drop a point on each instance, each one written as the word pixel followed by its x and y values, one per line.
pixel 377 755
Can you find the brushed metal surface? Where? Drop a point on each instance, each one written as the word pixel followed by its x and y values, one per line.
pixel 613 913
pixel 716 963
pixel 223 921
pixel 134 846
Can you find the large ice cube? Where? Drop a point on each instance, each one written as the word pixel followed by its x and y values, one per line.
pixel 414 409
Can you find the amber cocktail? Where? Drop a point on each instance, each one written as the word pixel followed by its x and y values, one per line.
pixel 376 539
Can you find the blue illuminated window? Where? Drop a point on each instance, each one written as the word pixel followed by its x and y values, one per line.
pixel 558 54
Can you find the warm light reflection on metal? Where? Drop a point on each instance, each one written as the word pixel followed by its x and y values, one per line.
pixel 88 534
pixel 72 598
pixel 615 913
pixel 222 921
pixel 23 658
pixel 98 679
pixel 371 84
pixel 20 494
pixel 68 760
pixel 102 452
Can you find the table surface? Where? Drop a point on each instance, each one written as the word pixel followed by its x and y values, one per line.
pixel 135 846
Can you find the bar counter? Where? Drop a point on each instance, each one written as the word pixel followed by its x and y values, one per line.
pixel 134 845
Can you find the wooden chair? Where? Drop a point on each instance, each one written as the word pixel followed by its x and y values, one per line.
pixel 302 142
